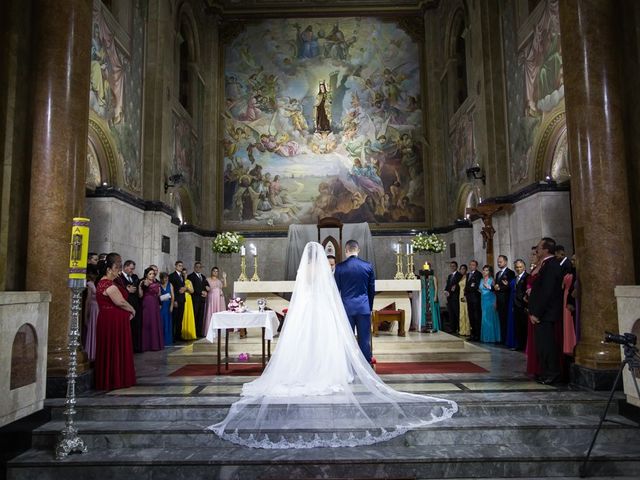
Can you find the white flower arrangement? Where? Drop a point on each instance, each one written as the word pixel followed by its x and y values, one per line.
pixel 424 242
pixel 227 242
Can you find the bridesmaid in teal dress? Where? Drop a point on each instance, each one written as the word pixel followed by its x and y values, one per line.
pixel 490 327
pixel 430 284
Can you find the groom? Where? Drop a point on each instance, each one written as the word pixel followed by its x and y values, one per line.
pixel 356 281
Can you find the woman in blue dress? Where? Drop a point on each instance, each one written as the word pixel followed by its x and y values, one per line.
pixel 490 328
pixel 166 306
pixel 430 296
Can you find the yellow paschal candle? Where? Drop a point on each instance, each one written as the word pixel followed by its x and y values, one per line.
pixel 79 248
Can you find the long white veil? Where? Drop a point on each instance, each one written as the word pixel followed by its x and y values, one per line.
pixel 318 389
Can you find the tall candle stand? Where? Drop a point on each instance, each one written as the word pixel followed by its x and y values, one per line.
pixel 399 274
pixel 243 269
pixel 410 275
pixel 69 441
pixel 255 277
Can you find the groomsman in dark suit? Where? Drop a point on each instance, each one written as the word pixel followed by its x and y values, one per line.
pixel 545 308
pixel 179 288
pixel 520 315
pixel 504 275
pixel 129 280
pixel 199 296
pixel 565 263
pixel 472 294
pixel 452 292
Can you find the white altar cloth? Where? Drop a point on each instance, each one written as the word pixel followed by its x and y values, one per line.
pixel 223 320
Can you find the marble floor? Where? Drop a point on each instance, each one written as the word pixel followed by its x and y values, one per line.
pixel 507 426
pixel 506 372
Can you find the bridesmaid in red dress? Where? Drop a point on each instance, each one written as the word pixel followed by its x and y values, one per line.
pixel 114 350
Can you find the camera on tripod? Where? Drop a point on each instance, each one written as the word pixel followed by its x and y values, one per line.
pixel 628 339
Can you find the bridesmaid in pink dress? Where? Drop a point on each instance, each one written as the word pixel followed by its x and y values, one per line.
pixel 91 314
pixel 215 297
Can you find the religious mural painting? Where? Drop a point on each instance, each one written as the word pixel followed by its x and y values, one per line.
pixel 535 84
pixel 462 147
pixel 185 164
pixel 322 117
pixel 115 94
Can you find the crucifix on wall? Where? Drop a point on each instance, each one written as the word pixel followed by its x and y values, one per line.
pixel 486 213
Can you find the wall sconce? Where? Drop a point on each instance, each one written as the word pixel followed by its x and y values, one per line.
pixel 475 173
pixel 173 181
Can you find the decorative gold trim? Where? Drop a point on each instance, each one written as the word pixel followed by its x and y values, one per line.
pixel 557 120
pixel 100 136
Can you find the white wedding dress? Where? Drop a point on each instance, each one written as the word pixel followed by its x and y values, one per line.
pixel 318 389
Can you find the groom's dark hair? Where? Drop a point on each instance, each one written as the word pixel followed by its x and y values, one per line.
pixel 351 245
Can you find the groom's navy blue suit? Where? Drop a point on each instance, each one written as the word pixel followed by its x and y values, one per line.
pixel 356 281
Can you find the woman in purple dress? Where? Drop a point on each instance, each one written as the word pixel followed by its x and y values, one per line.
pixel 149 291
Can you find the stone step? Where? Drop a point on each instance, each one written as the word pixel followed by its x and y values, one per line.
pixel 461 351
pixel 371 462
pixel 502 406
pixel 385 343
pixel 453 432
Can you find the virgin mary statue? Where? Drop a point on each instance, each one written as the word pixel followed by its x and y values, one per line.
pixel 322 109
pixel 318 390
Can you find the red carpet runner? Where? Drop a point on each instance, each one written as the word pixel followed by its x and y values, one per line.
pixel 239 369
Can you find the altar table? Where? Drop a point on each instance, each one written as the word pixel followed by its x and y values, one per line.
pixel 267 321
pixel 387 291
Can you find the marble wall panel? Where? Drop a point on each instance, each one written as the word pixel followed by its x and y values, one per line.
pixel 16 310
pixel 628 299
pixel 135 234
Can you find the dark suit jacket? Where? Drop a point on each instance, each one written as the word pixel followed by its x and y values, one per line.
pixel 356 281
pixel 521 291
pixel 472 289
pixel 452 284
pixel 198 285
pixel 132 298
pixel 566 267
pixel 177 281
pixel 508 275
pixel 545 301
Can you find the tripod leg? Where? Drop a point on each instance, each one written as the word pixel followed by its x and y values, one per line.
pixel 583 468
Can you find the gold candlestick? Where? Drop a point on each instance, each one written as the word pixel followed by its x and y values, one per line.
pixel 399 274
pixel 255 277
pixel 410 275
pixel 243 269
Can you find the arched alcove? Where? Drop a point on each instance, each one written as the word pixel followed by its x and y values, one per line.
pixel 551 150
pixel 24 357
pixel 468 197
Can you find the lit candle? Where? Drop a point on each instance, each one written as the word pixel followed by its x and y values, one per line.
pixel 411 249
pixel 408 249
pixel 396 248
pixel 242 251
pixel 254 250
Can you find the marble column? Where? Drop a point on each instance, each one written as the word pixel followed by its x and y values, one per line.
pixel 62 45
pixel 591 47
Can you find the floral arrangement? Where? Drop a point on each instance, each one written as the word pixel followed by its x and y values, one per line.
pixel 236 305
pixel 227 242
pixel 423 242
pixel 244 357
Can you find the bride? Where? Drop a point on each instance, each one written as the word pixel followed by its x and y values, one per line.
pixel 318 390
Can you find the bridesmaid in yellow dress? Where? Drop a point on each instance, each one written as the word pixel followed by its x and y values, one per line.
pixel 188 318
pixel 465 326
